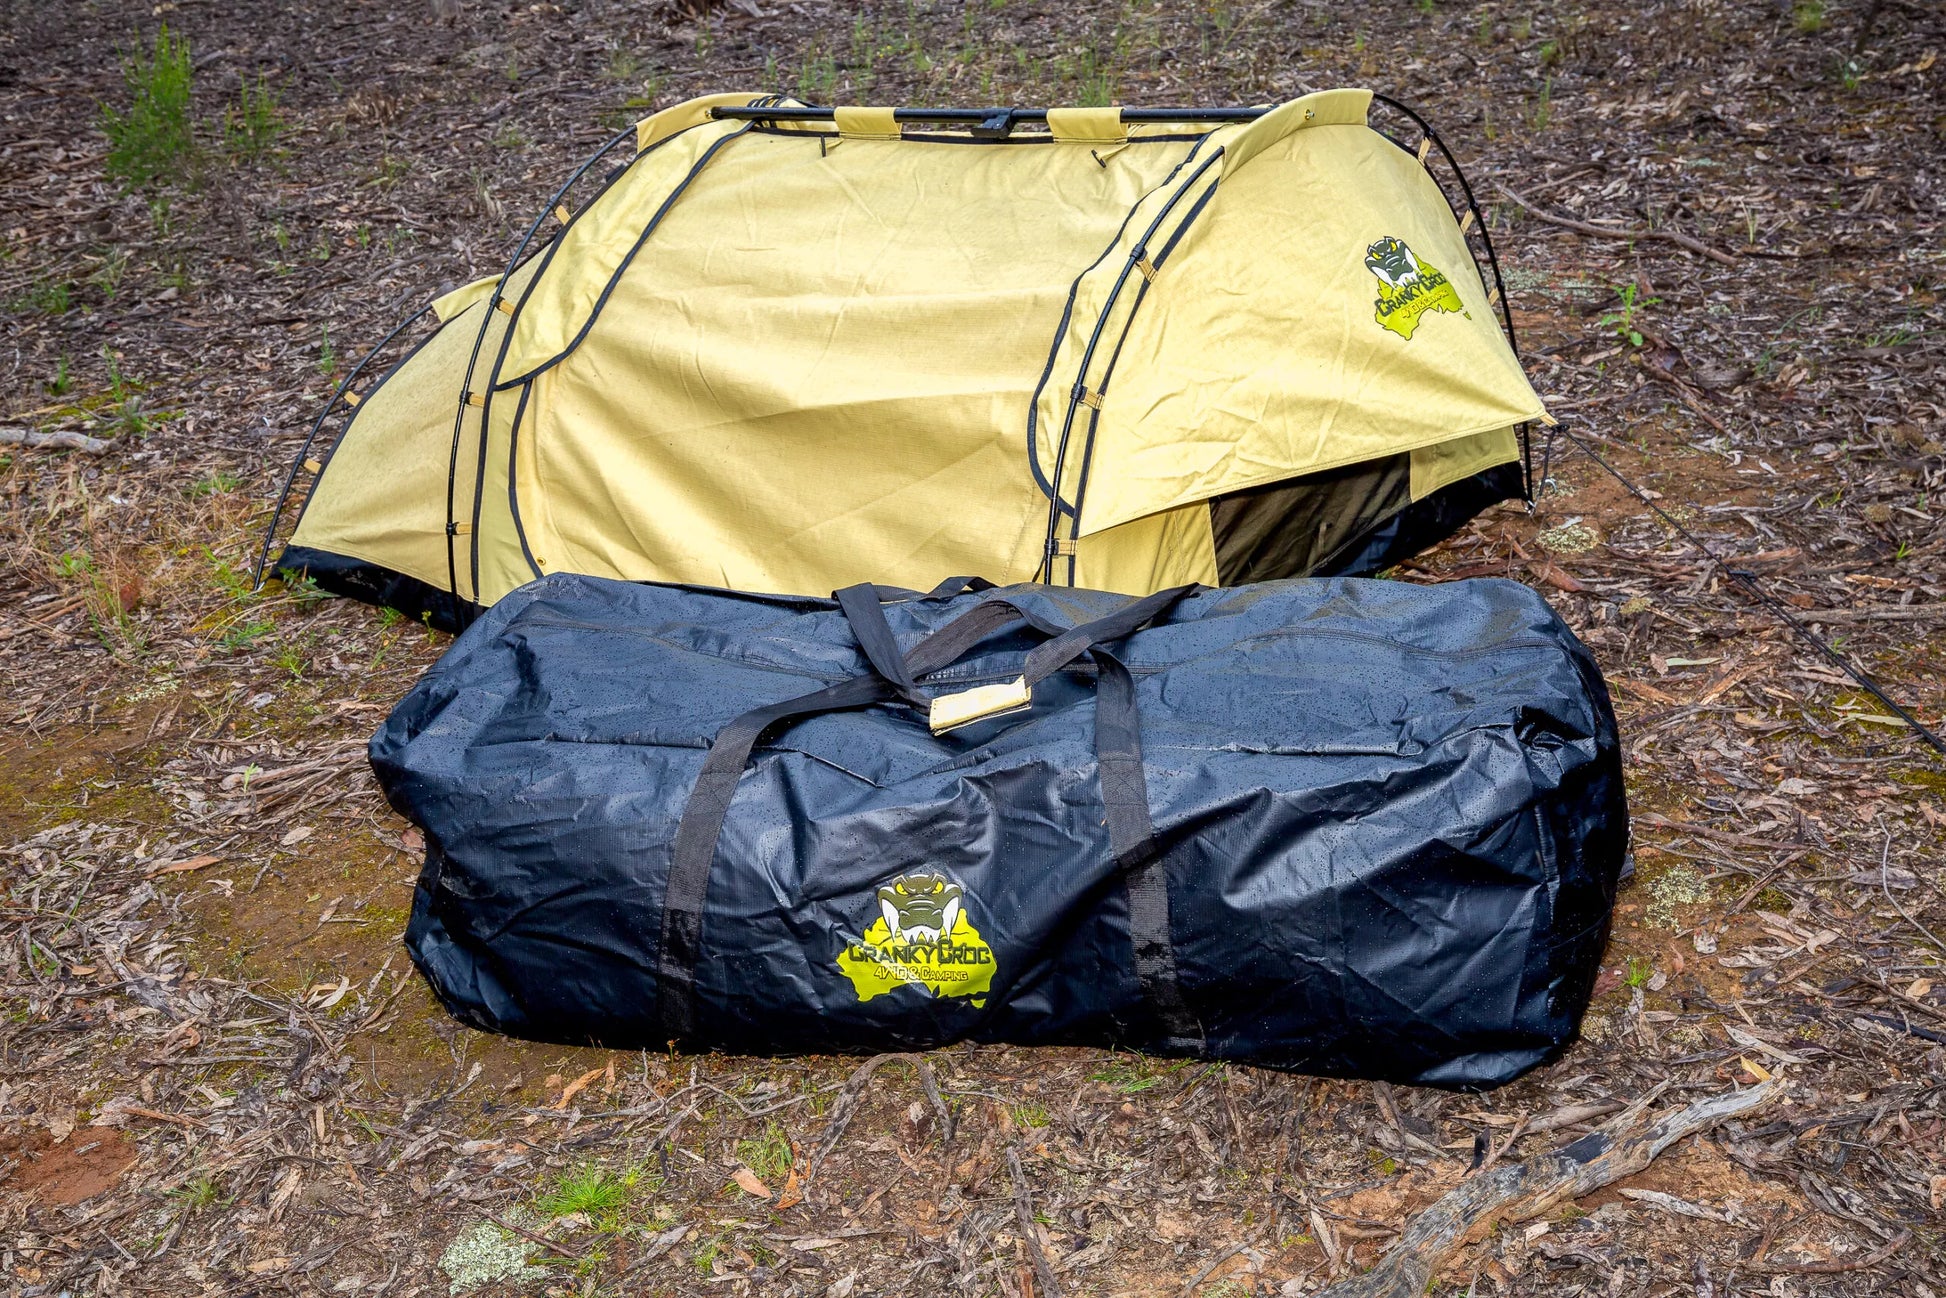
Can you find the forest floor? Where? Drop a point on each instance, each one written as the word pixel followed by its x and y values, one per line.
pixel 218 1070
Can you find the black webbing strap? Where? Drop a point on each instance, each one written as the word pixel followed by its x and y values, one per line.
pixel 1118 748
pixel 1131 837
pixel 702 822
pixel 874 636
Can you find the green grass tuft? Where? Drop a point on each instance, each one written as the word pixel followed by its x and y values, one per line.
pixel 590 1190
pixel 253 125
pixel 152 142
pixel 768 1155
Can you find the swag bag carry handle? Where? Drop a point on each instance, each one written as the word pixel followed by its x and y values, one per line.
pixel 894 679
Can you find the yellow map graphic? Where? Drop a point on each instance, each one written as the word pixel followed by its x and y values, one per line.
pixel 1399 309
pixel 959 964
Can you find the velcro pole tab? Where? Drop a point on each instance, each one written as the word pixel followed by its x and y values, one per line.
pixel 866 123
pixel 1086 125
pixel 562 214
pixel 1091 398
pixel 314 466
pixel 475 399
pixel 951 711
pixel 1065 547
pixel 1147 268
pixel 502 305
pixel 1425 147
pixel 352 398
pixel 1466 222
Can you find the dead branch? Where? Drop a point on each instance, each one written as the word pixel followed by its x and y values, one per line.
pixel 1611 232
pixel 542 1240
pixel 54 441
pixel 1024 1218
pixel 1835 1266
pixel 847 1101
pixel 1529 1189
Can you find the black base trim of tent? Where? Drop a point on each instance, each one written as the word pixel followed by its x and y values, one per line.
pixel 1424 523
pixel 360 580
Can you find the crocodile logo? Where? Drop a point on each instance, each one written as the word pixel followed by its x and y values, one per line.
pixel 1407 286
pixel 921 937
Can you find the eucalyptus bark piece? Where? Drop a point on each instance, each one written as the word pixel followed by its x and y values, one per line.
pixel 1523 1190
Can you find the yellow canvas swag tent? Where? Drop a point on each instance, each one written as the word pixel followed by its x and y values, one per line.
pixel 785 349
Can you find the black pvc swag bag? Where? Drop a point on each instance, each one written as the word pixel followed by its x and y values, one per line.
pixel 1358 828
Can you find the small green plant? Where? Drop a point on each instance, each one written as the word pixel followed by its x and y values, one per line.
pixel 108 275
pixel 234 584
pixel 623 64
pixel 124 409
pixel 327 354
pixel 1544 106
pixel 1483 34
pixel 1808 17
pixel 590 1190
pixel 47 296
pixel 1423 6
pixel 215 484
pixel 817 79
pixel 243 635
pixel 74 563
pixel 290 659
pixel 1028 1115
pixel 1623 322
pixel 1382 1163
pixel 63 381
pixel 1640 970
pixel 252 126
pixel 768 1155
pixel 1124 1078
pixel 389 616
pixel 1097 85
pixel 198 1192
pixel 152 141
pixel 304 589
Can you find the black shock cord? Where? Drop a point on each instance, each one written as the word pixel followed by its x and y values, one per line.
pixel 1748 581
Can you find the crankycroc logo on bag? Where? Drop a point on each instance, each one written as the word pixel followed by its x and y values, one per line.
pixel 921 938
pixel 1407 287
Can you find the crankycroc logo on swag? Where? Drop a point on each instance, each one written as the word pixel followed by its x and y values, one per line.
pixel 1407 287
pixel 921 938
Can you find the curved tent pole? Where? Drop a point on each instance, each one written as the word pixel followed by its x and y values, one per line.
pixel 1473 206
pixel 290 479
pixel 1136 256
pixel 493 301
pixel 1493 264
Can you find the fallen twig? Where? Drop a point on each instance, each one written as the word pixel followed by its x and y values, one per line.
pixel 1024 1218
pixel 1528 1189
pixel 1197 1280
pixel 847 1101
pixel 1836 1265
pixel 542 1240
pixel 1610 232
pixel 54 441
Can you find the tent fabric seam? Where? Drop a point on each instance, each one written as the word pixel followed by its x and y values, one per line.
pixel 1108 372
pixel 1101 323
pixel 331 452
pixel 1050 489
pixel 709 155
